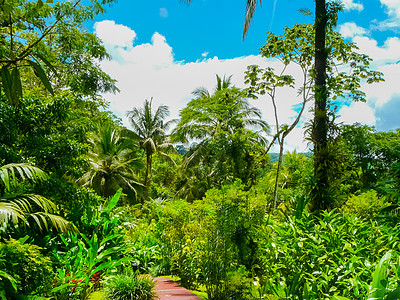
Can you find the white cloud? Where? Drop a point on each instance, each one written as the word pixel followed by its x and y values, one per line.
pixel 393 11
pixel 386 59
pixel 351 5
pixel 149 70
pixel 351 29
pixel 163 12
pixel 389 52
pixel 357 112
pixel 115 34
pixel 393 7
pixel 205 54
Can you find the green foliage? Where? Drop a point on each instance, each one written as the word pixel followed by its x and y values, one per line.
pixel 48 43
pixel 366 205
pixel 113 163
pixel 48 131
pixel 232 141
pixel 88 258
pixel 212 242
pixel 130 286
pixel 314 258
pixel 20 209
pixel 32 271
pixel 294 180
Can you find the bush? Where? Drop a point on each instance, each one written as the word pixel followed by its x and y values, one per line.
pixel 366 205
pixel 28 266
pixel 319 257
pixel 130 286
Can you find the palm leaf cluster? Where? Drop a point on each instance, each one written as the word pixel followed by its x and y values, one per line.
pixel 26 208
pixel 224 127
pixel 151 131
pixel 112 162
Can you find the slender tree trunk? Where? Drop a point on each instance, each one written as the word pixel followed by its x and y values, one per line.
pixel 319 195
pixel 278 170
pixel 147 178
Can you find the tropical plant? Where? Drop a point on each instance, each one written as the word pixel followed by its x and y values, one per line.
pixel 113 163
pixel 228 133
pixel 37 39
pixel 150 129
pixel 28 208
pixel 129 285
pixel 83 260
pixel 329 256
pixel 31 270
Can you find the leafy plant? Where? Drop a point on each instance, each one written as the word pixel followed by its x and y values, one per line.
pixel 87 259
pixel 28 208
pixel 130 286
pixel 314 258
pixel 366 205
pixel 29 271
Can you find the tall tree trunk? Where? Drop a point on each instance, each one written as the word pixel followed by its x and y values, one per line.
pixel 319 195
pixel 147 178
pixel 278 170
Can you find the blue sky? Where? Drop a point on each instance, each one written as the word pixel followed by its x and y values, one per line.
pixel 165 49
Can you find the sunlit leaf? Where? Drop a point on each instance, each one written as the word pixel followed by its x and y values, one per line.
pixel 41 75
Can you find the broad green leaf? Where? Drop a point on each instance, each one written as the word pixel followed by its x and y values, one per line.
pixel 39 4
pixel 379 278
pixel 394 295
pixel 6 83
pixel 47 63
pixel 16 86
pixel 10 279
pixel 61 287
pixel 41 75
pixel 114 200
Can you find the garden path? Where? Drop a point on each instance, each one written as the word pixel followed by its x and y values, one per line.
pixel 168 289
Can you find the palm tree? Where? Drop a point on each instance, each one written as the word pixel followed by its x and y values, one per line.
pixel 112 163
pixel 226 129
pixel 150 129
pixel 27 208
pixel 226 109
pixel 222 83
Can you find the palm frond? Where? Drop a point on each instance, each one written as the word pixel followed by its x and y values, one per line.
pixel 250 9
pixel 9 211
pixel 46 221
pixel 168 158
pixel 10 174
pixel 27 202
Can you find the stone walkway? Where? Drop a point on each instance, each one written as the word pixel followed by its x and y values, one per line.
pixel 170 290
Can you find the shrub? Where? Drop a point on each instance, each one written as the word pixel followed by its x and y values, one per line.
pixel 365 205
pixel 27 265
pixel 319 257
pixel 130 286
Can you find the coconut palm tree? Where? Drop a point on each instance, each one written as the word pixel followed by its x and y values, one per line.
pixel 151 131
pixel 226 109
pixel 26 208
pixel 113 163
pixel 222 83
pixel 226 130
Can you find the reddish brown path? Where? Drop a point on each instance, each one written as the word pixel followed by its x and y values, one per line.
pixel 170 290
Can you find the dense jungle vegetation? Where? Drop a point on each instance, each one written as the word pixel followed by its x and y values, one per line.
pixel 88 206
